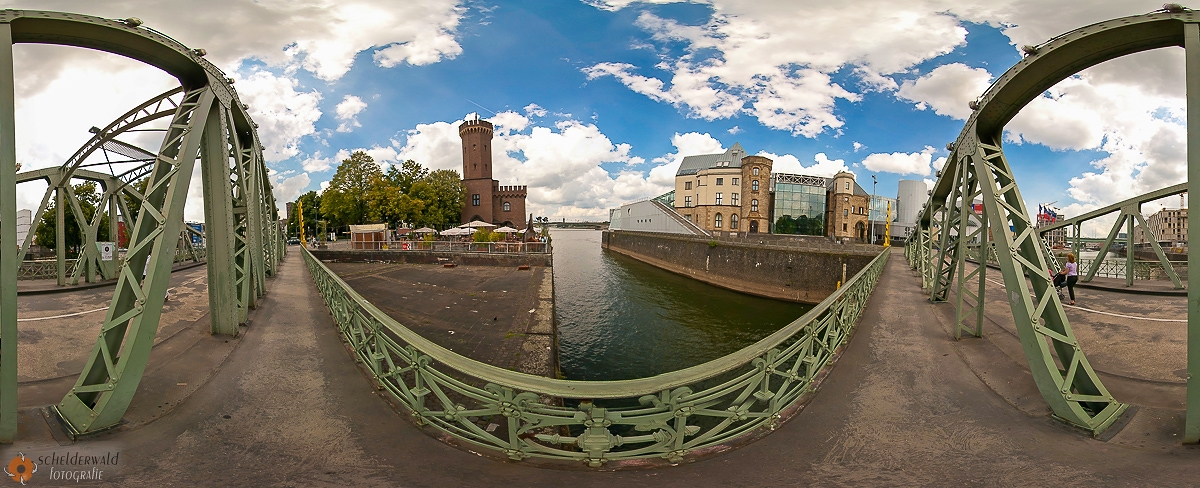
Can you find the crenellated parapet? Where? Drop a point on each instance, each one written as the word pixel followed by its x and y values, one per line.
pixel 476 125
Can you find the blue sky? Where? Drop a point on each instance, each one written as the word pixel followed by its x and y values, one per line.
pixel 597 100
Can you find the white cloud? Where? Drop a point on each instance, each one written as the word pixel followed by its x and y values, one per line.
pixel 919 163
pixel 347 112
pixel 770 60
pixel 858 146
pixel 283 115
pixel 534 110
pixel 288 189
pixel 821 165
pixel 317 164
pixel 320 36
pixel 688 144
pixel 947 89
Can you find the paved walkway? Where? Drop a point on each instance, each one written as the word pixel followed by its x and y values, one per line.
pixel 905 405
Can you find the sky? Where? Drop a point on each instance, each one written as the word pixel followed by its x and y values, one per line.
pixel 597 101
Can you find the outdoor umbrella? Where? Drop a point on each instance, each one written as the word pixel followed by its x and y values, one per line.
pixel 506 230
pixel 425 230
pixel 475 224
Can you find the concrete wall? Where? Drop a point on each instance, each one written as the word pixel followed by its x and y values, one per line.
pixel 428 257
pixel 792 273
pixel 645 216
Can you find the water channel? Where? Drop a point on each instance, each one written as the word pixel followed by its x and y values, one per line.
pixel 619 318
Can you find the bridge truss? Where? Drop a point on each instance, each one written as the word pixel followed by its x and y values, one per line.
pixel 952 230
pixel 204 120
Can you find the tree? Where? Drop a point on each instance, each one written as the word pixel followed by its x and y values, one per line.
pixel 89 200
pixel 443 194
pixel 345 201
pixel 407 174
pixel 311 204
pixel 388 204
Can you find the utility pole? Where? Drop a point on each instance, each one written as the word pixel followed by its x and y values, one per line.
pixel 871 209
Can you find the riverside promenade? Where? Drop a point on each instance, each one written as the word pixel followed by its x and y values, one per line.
pixel 905 405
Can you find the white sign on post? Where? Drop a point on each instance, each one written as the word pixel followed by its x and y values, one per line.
pixel 106 250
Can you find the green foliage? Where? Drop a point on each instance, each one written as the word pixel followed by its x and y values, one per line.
pixel 361 193
pixel 407 174
pixel 443 193
pixel 804 225
pixel 310 203
pixel 346 202
pixel 89 200
pixel 712 243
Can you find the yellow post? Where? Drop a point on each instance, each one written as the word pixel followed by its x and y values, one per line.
pixel 887 227
pixel 300 221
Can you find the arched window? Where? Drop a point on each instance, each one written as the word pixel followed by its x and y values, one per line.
pixel 733 221
pixel 475 199
pixel 755 171
pixel 507 207
pixel 717 221
pixel 753 205
pixel 754 185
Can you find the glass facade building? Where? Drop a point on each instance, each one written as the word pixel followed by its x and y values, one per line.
pixel 799 205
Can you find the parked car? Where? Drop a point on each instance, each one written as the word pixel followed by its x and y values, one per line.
pixel 294 241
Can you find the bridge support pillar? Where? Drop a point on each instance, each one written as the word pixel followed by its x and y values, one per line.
pixel 1191 45
pixel 8 235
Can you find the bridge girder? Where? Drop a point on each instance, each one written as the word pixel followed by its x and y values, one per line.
pixel 1057 362
pixel 208 123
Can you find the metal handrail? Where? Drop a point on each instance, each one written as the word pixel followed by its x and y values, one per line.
pixel 667 416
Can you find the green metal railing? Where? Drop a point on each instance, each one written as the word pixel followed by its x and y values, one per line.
pixel 665 416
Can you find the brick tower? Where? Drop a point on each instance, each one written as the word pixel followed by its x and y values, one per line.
pixel 486 199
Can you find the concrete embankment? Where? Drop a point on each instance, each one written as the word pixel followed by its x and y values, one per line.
pixel 489 311
pixel 434 257
pixel 800 273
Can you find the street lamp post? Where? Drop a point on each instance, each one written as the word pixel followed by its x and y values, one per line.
pixel 870 209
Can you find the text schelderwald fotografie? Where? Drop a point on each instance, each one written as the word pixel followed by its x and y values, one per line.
pixel 55 462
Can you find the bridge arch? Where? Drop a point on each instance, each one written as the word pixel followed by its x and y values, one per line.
pixel 977 169
pixel 210 124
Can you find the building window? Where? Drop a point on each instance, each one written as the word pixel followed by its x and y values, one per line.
pixel 843 227
pixel 847 186
pixel 475 199
pixel 755 171
pixel 507 207
pixel 687 201
pixel 717 221
pixel 720 181
pixel 687 185
pixel 734 182
pixel 753 205
pixel 845 212
pixel 754 185
pixel 718 198
pixel 689 217
pixel 733 221
pixel 733 199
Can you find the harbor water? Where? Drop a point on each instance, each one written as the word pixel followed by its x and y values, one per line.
pixel 619 318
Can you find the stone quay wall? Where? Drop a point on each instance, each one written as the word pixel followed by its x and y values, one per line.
pixel 798 273
pixel 433 257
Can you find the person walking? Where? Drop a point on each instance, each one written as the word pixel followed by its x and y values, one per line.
pixel 1071 268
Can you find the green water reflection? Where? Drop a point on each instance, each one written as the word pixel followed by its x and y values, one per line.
pixel 619 318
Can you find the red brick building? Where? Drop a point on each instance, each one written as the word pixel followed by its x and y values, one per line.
pixel 486 199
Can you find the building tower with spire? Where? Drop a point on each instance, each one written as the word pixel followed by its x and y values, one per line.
pixel 486 199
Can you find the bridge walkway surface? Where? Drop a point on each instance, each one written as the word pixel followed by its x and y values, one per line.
pixel 905 405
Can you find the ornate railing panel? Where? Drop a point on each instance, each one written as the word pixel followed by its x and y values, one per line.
pixel 667 416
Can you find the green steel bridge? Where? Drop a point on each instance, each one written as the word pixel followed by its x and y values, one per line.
pixel 661 420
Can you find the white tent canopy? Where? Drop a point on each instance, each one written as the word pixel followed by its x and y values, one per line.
pixel 475 224
pixel 506 230
pixel 425 230
pixel 456 232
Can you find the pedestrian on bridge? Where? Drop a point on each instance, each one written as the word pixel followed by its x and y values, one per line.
pixel 1071 269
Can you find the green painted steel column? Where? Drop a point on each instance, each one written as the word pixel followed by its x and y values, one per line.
pixel 1129 254
pixel 60 233
pixel 8 236
pixel 1191 44
pixel 219 228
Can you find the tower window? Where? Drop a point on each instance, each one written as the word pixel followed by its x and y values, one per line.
pixel 507 207
pixel 475 199
pixel 753 205
pixel 754 185
pixel 755 171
